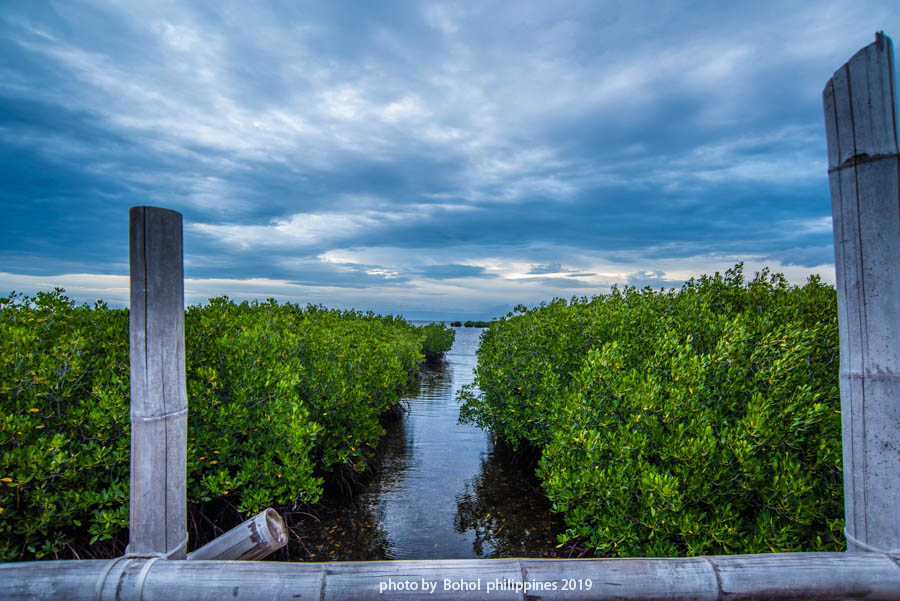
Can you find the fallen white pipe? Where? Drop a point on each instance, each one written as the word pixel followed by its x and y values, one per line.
pixel 256 538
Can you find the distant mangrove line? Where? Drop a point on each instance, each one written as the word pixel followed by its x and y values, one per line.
pixel 471 324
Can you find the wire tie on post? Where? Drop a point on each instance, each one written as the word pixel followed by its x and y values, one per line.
pixel 153 557
pixel 153 418
pixel 143 576
pixel 870 548
pixel 101 580
pixel 181 545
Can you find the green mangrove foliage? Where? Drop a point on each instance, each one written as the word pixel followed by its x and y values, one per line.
pixel 477 324
pixel 64 443
pixel 438 340
pixel 278 397
pixel 700 421
pixel 471 324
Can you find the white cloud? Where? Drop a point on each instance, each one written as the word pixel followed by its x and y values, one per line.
pixel 783 156
pixel 344 102
pixel 439 17
pixel 299 230
pixel 80 287
pixel 407 109
pixel 813 225
pixel 515 285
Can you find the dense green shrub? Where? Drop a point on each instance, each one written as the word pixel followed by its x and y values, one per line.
pixel 278 396
pixel 438 339
pixel 64 443
pixel 477 324
pixel 677 423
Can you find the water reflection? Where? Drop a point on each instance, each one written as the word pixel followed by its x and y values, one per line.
pixel 354 530
pixel 441 490
pixel 506 511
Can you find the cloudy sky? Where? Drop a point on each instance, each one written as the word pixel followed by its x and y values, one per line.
pixel 424 158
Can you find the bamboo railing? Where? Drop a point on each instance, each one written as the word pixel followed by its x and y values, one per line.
pixel 794 576
pixel 864 171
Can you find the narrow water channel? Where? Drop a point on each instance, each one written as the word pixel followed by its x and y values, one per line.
pixel 442 490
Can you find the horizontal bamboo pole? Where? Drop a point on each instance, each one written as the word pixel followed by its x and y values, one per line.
pixel 256 538
pixel 778 576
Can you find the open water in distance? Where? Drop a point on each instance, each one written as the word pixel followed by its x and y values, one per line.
pixel 443 490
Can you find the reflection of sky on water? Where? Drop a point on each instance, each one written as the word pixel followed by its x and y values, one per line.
pixel 442 491
pixel 419 504
pixel 505 510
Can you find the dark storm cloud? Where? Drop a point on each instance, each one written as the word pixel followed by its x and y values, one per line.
pixel 547 268
pixel 375 148
pixel 811 256
pixel 565 283
pixel 451 271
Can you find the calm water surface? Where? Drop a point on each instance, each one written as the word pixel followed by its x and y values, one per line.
pixel 443 490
